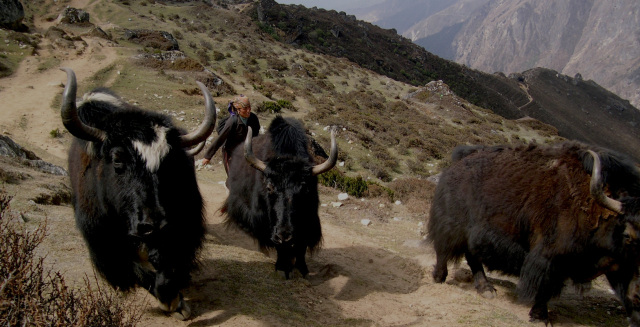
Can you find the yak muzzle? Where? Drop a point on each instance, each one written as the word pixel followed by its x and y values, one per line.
pixel 282 235
pixel 147 225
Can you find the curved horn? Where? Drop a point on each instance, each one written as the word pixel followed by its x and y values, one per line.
pixel 248 153
pixel 333 156
pixel 597 189
pixel 194 151
pixel 203 131
pixel 69 112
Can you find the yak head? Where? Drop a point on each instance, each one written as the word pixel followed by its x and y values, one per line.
pixel 625 199
pixel 291 185
pixel 622 179
pixel 136 157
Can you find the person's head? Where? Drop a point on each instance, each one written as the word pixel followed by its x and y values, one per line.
pixel 242 106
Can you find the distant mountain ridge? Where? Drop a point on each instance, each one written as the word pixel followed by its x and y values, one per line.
pixel 598 39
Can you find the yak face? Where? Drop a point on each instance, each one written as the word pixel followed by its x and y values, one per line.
pixel 130 162
pixel 627 244
pixel 628 229
pixel 292 194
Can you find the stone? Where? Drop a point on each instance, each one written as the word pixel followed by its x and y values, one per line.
pixel 11 14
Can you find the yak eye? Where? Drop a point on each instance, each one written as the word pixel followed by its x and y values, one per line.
pixel 270 188
pixel 117 159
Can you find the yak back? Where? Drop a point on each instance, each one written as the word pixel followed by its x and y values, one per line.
pixel 288 137
pixel 528 192
pixel 619 172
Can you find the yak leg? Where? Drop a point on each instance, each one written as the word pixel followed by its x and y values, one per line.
pixel 166 286
pixel 162 288
pixel 440 272
pixel 480 281
pixel 285 259
pixel 539 281
pixel 621 282
pixel 301 262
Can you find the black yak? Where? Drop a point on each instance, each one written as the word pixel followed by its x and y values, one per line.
pixel 135 195
pixel 547 214
pixel 273 195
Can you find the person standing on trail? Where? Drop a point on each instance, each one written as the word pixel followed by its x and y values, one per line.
pixel 234 131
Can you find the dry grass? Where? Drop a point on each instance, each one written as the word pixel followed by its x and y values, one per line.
pixel 32 295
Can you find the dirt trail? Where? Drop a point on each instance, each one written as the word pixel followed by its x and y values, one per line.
pixel 27 95
pixel 30 119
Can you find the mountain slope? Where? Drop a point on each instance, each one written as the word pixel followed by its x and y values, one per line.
pixel 387 53
pixel 597 39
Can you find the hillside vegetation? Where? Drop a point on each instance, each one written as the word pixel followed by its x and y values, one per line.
pixel 513 97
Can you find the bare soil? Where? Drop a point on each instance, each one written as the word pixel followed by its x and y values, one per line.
pixel 375 275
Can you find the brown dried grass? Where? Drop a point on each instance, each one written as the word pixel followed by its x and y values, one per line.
pixel 32 295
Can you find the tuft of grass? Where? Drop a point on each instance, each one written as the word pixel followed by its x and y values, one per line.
pixel 353 186
pixel 55 133
pixel 48 64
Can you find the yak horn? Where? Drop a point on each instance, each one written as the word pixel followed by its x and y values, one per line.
pixel 597 189
pixel 204 130
pixel 248 153
pixel 333 156
pixel 194 151
pixel 69 113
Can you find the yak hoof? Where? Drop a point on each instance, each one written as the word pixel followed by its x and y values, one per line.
pixel 178 307
pixel 486 290
pixel 439 275
pixel 539 313
pixel 488 294
pixel 183 312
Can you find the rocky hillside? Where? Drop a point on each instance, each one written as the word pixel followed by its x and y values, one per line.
pixel 594 38
pixel 385 52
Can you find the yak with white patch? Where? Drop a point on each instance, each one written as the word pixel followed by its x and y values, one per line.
pixel 547 214
pixel 273 194
pixel 135 195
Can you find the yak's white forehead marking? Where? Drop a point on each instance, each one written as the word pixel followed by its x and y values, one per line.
pixel 153 153
pixel 101 97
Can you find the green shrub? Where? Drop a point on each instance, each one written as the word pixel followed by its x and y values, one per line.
pixel 285 104
pixel 274 107
pixel 269 106
pixel 353 186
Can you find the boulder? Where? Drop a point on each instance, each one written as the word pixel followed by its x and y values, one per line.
pixel 11 14
pixel 73 16
pixel 154 39
pixel 9 148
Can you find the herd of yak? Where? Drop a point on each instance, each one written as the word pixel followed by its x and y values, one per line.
pixel 547 214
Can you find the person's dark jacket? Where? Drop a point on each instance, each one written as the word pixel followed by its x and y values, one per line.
pixel 233 133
